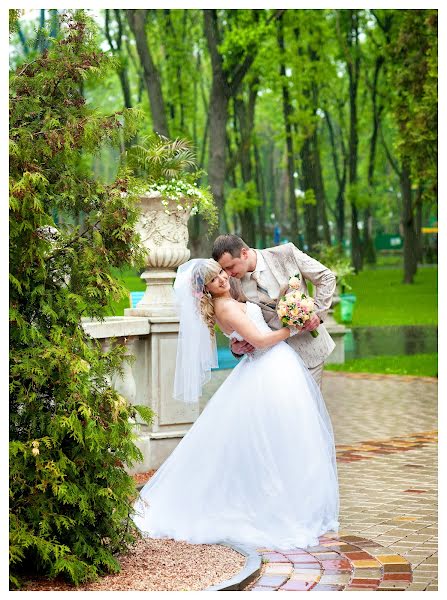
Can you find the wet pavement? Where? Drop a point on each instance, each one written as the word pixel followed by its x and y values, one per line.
pixel 385 430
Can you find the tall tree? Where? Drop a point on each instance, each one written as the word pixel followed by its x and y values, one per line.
pixel 377 62
pixel 228 73
pixel 114 33
pixel 339 154
pixel 412 73
pixel 244 108
pixel 287 111
pixel 137 22
pixel 349 35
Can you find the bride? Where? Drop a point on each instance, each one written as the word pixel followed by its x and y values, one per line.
pixel 258 465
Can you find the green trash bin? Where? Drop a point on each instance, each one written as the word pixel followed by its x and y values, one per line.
pixel 347 302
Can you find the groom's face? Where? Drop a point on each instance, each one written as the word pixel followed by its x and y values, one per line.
pixel 235 266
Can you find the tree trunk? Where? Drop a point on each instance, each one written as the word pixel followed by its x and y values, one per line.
pixel 245 114
pixel 341 179
pixel 137 20
pixel 419 234
pixel 260 186
pixel 408 225
pixel 319 188
pixel 287 113
pixel 368 241
pixel 116 48
pixel 353 71
pixel 218 114
pixel 308 183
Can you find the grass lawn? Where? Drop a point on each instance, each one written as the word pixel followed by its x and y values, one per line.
pixel 382 298
pixel 423 365
pixel 133 283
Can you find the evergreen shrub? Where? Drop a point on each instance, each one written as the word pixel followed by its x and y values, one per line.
pixel 71 434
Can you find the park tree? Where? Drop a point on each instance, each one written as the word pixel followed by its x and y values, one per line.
pixel 314 72
pixel 410 44
pixel 349 26
pixel 71 433
pixel 234 39
pixel 137 21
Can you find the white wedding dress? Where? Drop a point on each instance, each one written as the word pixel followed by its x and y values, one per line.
pixel 257 467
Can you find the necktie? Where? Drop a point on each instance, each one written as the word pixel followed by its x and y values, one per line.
pixel 262 292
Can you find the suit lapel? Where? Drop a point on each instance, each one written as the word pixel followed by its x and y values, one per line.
pixel 277 267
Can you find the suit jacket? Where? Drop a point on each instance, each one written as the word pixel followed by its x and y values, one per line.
pixel 285 261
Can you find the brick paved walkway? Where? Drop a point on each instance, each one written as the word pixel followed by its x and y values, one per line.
pixel 385 432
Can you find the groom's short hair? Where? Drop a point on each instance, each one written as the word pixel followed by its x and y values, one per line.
pixel 228 243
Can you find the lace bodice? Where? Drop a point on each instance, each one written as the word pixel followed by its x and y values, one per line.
pixel 254 313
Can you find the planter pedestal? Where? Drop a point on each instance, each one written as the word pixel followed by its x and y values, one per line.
pixel 164 233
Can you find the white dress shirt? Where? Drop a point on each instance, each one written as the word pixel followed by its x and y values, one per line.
pixel 264 277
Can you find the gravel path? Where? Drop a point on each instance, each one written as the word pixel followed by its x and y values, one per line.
pixel 161 565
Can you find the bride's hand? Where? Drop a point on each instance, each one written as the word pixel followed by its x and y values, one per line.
pixel 241 347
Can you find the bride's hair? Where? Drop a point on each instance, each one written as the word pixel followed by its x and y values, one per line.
pixel 203 273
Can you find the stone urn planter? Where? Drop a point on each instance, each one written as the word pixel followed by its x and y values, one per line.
pixel 164 233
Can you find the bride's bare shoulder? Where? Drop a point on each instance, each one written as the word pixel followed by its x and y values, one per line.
pixel 225 308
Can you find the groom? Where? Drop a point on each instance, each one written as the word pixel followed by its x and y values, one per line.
pixel 262 276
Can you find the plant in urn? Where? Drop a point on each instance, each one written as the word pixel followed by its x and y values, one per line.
pixel 169 195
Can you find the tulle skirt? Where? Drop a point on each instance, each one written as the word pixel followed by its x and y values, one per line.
pixel 257 467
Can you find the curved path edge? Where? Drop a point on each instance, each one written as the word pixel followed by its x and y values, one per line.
pixel 250 571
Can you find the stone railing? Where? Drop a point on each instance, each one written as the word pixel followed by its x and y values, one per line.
pixel 148 380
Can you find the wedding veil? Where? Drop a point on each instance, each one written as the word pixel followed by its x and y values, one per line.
pixel 196 348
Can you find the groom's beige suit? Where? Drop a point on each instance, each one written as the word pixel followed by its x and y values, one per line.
pixel 269 280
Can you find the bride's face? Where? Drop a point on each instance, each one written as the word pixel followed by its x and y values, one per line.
pixel 219 284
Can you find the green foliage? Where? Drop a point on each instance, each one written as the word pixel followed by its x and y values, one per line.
pixel 157 157
pixel 14 16
pixel 309 197
pixel 334 258
pixel 165 166
pixel 242 199
pixel 413 72
pixel 71 434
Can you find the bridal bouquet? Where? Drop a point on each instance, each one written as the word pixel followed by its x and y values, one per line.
pixel 295 308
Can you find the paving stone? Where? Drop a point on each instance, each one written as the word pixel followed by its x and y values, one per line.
pixel 368 573
pixel 295 585
pixel 306 572
pixel 260 588
pixel 309 566
pixel 271 580
pixel 327 588
pixel 358 588
pixel 278 568
pixel 416 587
pixel 365 582
pixel 335 579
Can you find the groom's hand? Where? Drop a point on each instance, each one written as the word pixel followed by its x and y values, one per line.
pixel 241 347
pixel 312 323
